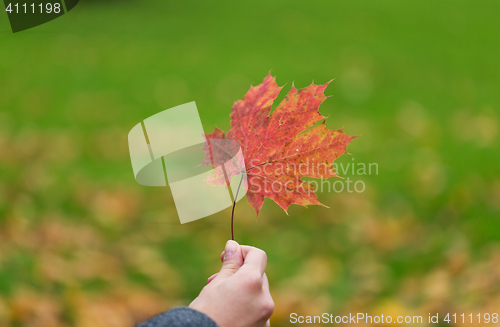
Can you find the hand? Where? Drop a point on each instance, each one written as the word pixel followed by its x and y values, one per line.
pixel 238 295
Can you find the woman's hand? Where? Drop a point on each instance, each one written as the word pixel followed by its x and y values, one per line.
pixel 238 295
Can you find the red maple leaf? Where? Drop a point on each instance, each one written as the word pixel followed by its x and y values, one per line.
pixel 280 148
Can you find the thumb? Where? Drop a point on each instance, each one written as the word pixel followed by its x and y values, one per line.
pixel 233 260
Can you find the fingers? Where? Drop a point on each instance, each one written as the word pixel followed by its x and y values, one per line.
pixel 211 278
pixel 254 259
pixel 265 282
pixel 232 260
pixel 244 249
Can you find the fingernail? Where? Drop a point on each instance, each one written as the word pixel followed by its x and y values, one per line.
pixel 230 249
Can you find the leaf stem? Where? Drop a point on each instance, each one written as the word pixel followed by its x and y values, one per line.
pixel 234 205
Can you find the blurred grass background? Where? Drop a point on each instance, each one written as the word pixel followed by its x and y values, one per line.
pixel 81 244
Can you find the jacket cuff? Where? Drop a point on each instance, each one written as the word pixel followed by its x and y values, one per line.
pixel 180 317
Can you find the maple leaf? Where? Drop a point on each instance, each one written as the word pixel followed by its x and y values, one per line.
pixel 280 148
pixel 223 155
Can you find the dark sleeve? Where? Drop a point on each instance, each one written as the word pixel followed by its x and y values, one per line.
pixel 180 317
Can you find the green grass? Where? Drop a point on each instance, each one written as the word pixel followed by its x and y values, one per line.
pixel 405 72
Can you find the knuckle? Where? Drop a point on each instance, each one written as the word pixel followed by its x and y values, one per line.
pixel 254 280
pixel 205 289
pixel 231 265
pixel 268 308
pixel 263 254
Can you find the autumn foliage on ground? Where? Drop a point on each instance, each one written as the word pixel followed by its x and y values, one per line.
pixel 82 244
